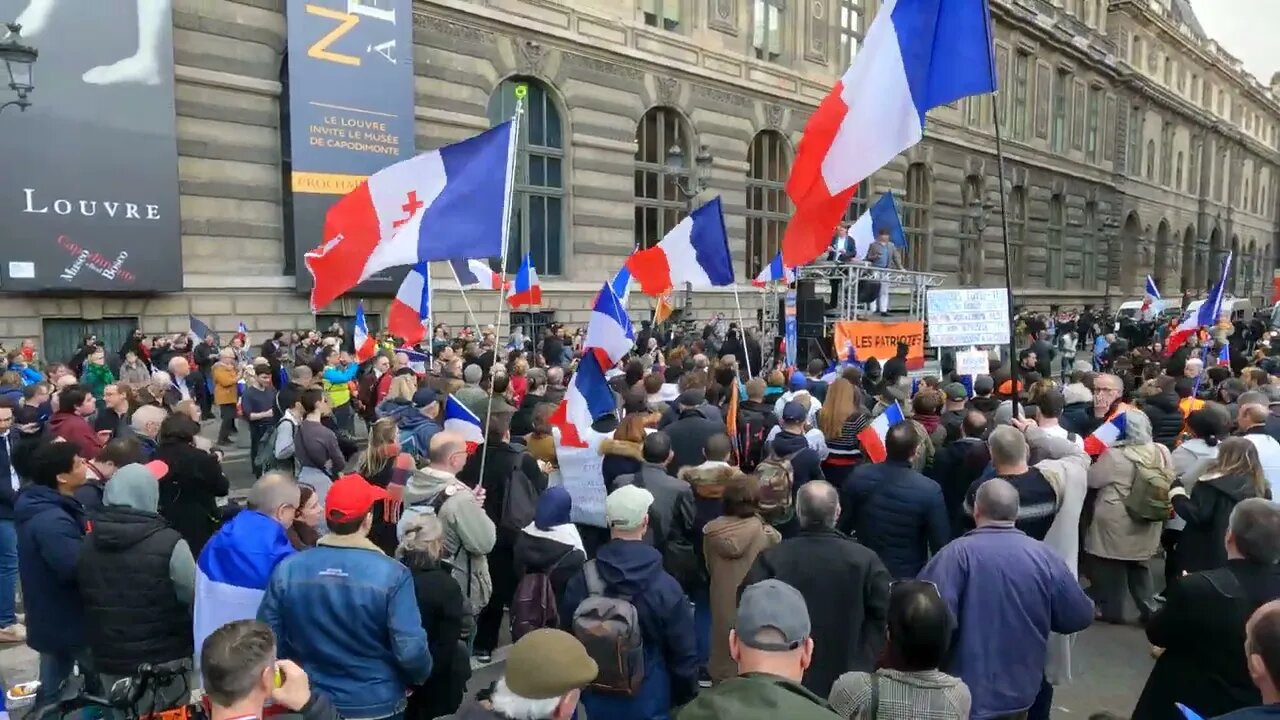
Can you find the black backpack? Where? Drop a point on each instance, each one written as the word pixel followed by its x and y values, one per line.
pixel 520 503
pixel 264 460
pixel 752 431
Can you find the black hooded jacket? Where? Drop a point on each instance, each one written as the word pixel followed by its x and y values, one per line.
pixel 1166 417
pixel 1207 511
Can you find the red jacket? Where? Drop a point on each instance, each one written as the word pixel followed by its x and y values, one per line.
pixel 77 431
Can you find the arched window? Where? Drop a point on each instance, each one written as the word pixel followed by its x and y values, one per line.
pixel 915 211
pixel 537 219
pixel 1151 159
pixel 1055 269
pixel 768 164
pixel 660 203
pixel 1017 234
pixel 1177 176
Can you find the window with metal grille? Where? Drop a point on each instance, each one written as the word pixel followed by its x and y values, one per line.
pixel 916 217
pixel 1017 234
pixel 851 30
pixel 662 13
pixel 537 218
pixel 659 204
pixel 1091 129
pixel 768 164
pixel 1059 128
pixel 1021 70
pixel 768 36
pixel 1089 249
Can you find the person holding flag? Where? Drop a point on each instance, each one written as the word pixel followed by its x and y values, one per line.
pixel 1151 302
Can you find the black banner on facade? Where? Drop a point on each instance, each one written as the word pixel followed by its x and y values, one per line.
pixel 350 107
pixel 89 173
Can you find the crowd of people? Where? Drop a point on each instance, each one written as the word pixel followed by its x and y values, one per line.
pixel 750 557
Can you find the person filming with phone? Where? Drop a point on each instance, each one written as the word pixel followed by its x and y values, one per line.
pixel 241 673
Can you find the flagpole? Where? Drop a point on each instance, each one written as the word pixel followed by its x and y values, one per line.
pixel 1004 219
pixel 475 322
pixel 514 152
pixel 742 327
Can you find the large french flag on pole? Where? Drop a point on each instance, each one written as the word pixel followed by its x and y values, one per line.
pixel 472 274
pixel 440 205
pixel 775 271
pixel 918 55
pixel 609 338
pixel 366 346
pixel 525 288
pixel 1206 316
pixel 1150 299
pixel 882 215
pixel 1107 434
pixel 409 316
pixel 621 284
pixel 871 438
pixel 695 251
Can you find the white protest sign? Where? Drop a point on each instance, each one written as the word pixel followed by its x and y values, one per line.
pixel 972 362
pixel 581 474
pixel 978 316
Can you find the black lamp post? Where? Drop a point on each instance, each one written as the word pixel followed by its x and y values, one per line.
pixel 19 61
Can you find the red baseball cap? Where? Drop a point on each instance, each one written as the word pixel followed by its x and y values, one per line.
pixel 350 498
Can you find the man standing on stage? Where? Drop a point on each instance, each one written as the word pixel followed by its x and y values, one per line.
pixel 883 254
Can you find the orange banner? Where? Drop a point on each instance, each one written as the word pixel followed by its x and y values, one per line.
pixel 880 340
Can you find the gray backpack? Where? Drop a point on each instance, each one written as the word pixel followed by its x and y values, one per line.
pixel 609 628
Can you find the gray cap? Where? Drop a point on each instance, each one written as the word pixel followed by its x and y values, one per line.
pixel 473 374
pixel 772 605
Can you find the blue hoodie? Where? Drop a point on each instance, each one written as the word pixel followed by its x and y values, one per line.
pixel 50 531
pixel 414 426
pixel 634 568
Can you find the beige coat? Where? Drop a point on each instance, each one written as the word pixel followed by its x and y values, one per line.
pixel 1114 534
pixel 730 545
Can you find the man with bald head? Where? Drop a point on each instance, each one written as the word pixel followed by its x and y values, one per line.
pixel 1251 419
pixel 845 586
pixel 1262 648
pixel 469 533
pixel 1007 592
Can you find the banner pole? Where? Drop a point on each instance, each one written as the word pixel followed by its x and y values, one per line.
pixel 521 91
pixel 742 327
pixel 1004 221
pixel 475 323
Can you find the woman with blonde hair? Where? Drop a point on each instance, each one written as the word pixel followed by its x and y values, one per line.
pixel 841 418
pixel 445 616
pixel 541 442
pixel 382 464
pixel 1235 475
pixel 622 453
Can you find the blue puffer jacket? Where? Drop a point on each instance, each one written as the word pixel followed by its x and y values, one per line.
pixel 50 531
pixel 898 513
pixel 348 615
pixel 666 625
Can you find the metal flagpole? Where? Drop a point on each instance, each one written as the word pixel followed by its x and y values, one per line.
pixel 1004 219
pixel 521 91
pixel 742 328
pixel 471 313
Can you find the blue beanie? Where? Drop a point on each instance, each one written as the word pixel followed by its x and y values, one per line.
pixel 553 508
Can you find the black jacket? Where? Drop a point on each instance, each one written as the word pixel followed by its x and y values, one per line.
pixel 689 438
pixel 50 534
pixel 1201 628
pixel 1207 512
pixel 671 519
pixel 7 493
pixel 1079 419
pixel 1166 417
pixel 619 457
pixel 189 493
pixel 955 467
pixel 131 607
pixel 897 513
pixel 537 554
pixel 444 616
pixel 498 468
pixel 846 589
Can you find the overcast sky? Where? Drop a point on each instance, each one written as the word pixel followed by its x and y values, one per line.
pixel 1247 29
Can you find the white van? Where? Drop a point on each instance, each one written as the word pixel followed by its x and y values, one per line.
pixel 1236 308
pixel 1131 309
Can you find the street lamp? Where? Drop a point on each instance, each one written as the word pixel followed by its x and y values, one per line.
pixel 19 61
pixel 978 211
pixel 676 167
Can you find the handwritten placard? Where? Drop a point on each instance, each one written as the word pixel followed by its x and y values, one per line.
pixel 968 317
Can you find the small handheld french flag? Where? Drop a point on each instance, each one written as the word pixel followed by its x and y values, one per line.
pixel 1108 433
pixel 366 346
pixel 1224 356
pixel 525 289
pixel 473 274
pixel 872 436
pixel 459 419
pixel 1149 300
pixel 775 272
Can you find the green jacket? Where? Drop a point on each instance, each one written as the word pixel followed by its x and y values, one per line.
pixel 97 378
pixel 757 695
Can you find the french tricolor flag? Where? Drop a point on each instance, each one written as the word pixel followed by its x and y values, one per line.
pixel 440 205
pixel 609 338
pixel 883 215
pixel 366 346
pixel 1206 316
pixel 775 271
pixel 1150 299
pixel 417 360
pixel 525 288
pixel 458 419
pixel 918 55
pixel 621 284
pixel 409 316
pixel 472 274
pixel 871 438
pixel 695 251
pixel 1224 356
pixel 1107 434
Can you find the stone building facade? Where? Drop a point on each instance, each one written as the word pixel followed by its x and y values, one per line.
pixel 615 85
